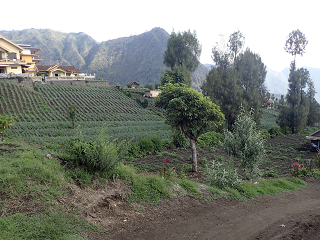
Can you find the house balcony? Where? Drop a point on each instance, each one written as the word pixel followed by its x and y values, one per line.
pixel 12 61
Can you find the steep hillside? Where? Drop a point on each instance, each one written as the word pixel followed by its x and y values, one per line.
pixel 137 58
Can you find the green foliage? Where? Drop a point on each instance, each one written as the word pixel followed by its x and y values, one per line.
pixel 51 225
pixel 294 115
pixel 98 155
pixel 176 75
pixel 265 134
pixel 237 80
pixel 41 116
pixel 210 139
pixel 222 175
pixel 296 43
pixel 274 131
pixel 23 164
pixel 149 86
pixel 246 143
pixel 148 189
pixel 189 111
pixel 72 111
pixel 179 140
pixel 168 173
pixel 5 121
pixel 183 49
pixel 190 186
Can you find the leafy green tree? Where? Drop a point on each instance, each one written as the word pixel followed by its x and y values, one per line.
pixel 314 111
pixel 296 43
pixel 176 75
pixel 189 111
pixel 149 86
pixel 182 57
pixel 236 44
pixel 246 143
pixel 238 79
pixel 252 73
pixel 183 49
pixel 295 114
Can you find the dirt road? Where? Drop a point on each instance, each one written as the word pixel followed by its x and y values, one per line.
pixel 292 215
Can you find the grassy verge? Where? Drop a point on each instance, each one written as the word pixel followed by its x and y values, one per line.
pixel 29 182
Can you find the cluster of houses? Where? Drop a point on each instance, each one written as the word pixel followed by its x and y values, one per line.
pixel 24 60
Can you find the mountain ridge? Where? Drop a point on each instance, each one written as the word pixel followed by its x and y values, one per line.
pixel 136 58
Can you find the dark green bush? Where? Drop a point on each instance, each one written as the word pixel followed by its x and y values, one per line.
pixel 98 155
pixel 265 134
pixel 274 131
pixel 210 139
pixel 145 103
pixel 158 144
pixel 146 145
pixel 179 140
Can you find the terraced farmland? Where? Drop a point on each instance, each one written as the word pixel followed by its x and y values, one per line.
pixel 41 115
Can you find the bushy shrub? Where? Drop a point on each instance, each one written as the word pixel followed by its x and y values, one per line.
pixel 221 176
pixel 98 155
pixel 265 134
pixel 158 144
pixel 210 139
pixel 246 143
pixel 146 145
pixel 274 131
pixel 145 103
pixel 179 140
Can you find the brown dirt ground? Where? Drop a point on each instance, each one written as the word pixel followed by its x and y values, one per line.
pixel 291 215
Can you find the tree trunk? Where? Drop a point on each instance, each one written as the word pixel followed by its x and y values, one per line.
pixel 194 154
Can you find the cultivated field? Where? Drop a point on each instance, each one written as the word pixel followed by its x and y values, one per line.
pixel 41 115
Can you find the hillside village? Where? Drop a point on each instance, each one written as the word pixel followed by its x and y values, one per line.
pixel 21 60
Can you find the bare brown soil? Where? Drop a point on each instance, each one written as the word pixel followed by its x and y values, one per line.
pixel 292 215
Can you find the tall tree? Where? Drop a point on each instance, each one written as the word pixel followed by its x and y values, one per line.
pixel 182 55
pixel 252 77
pixel 295 114
pixel 238 79
pixel 236 44
pixel 314 111
pixel 296 43
pixel 189 111
pixel 183 49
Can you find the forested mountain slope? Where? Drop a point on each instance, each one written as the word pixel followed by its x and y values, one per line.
pixel 137 58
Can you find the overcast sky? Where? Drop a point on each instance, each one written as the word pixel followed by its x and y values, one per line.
pixel 266 24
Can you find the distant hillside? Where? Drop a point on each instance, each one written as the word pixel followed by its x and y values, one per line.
pixel 137 58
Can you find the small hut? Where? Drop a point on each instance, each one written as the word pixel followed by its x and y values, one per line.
pixel 133 85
